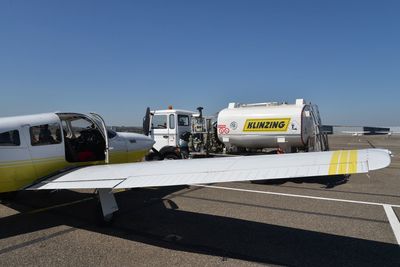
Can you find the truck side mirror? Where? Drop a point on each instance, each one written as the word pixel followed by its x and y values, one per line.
pixel 146 122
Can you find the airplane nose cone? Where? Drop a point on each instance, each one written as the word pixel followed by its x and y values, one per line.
pixel 149 141
pixel 138 140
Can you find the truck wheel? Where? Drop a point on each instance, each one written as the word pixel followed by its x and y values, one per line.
pixel 170 156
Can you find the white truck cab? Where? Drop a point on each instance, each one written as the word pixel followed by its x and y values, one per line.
pixel 166 127
pixel 240 128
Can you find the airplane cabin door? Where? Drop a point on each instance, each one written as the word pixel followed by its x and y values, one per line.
pixel 46 147
pixel 13 149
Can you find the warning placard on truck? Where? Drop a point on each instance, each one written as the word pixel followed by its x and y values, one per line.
pixel 266 125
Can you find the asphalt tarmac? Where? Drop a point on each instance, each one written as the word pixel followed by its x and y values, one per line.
pixel 316 222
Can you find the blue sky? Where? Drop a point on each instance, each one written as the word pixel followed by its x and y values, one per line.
pixel 118 57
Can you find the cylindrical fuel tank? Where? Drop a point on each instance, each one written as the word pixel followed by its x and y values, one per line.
pixel 266 125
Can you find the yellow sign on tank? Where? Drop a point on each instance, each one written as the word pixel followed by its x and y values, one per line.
pixel 266 125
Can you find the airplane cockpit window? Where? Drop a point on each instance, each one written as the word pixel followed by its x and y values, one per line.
pixel 159 122
pixel 111 134
pixel 83 140
pixel 46 134
pixel 10 138
pixel 81 125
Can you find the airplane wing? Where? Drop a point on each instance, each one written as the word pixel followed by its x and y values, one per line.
pixel 216 170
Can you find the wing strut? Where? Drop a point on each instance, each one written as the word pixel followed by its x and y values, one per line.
pixel 108 203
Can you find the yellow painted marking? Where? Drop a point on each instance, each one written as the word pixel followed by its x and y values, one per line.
pixel 353 161
pixel 343 162
pixel 266 125
pixel 334 163
pixel 15 175
pixel 5 164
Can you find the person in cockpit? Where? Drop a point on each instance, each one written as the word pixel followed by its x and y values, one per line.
pixel 45 135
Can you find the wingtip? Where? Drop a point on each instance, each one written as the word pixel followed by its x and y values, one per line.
pixel 379 158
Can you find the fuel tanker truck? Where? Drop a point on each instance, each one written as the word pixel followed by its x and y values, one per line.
pixel 239 129
pixel 287 127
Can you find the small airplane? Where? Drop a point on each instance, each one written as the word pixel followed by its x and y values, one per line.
pixel 76 151
pixel 356 133
pixel 388 133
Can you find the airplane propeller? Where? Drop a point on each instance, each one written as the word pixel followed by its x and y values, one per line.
pixel 146 122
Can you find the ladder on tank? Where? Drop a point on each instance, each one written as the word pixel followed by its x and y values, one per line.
pixel 319 142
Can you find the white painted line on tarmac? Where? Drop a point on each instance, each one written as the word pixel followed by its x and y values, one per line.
pixel 394 221
pixel 299 196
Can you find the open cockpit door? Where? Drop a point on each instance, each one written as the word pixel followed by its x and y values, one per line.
pixel 100 123
pixel 85 137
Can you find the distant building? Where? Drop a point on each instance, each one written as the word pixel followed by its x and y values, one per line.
pixel 328 129
pixel 376 130
pixel 364 130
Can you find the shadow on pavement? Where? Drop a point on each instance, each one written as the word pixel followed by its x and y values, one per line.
pixel 147 216
pixel 327 181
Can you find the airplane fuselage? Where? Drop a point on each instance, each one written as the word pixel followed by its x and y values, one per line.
pixel 36 146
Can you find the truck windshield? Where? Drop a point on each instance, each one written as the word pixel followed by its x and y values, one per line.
pixel 159 122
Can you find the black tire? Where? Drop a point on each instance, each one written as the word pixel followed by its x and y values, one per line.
pixel 171 156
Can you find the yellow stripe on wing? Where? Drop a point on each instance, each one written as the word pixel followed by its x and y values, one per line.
pixel 353 161
pixel 343 162
pixel 334 163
